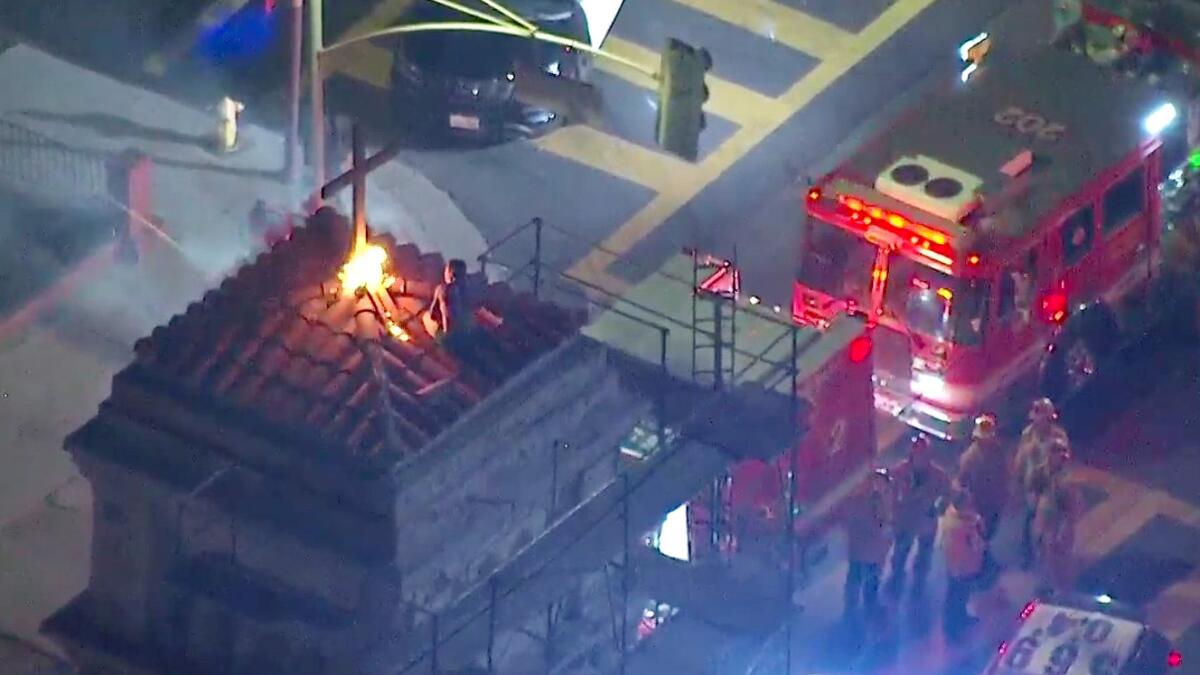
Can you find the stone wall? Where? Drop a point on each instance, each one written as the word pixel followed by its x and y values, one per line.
pixel 537 452
pixel 524 458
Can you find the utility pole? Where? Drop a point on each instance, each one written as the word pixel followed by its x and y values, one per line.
pixel 359 200
pixel 291 157
pixel 316 93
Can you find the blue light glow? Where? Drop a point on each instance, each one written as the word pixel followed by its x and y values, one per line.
pixel 244 35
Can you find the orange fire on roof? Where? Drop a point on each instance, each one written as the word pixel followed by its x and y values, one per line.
pixel 367 272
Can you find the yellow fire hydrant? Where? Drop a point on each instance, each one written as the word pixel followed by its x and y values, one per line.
pixel 227 123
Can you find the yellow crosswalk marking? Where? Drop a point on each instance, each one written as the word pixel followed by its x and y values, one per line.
pixel 1112 522
pixel 728 99
pixel 1130 506
pixel 616 156
pixel 1177 608
pixel 383 14
pixel 734 148
pixel 778 23
pixel 367 62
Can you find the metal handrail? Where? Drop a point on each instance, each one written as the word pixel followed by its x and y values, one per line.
pixel 496 585
pixel 539 223
pixel 630 484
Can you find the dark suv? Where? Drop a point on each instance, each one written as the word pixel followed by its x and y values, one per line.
pixel 460 85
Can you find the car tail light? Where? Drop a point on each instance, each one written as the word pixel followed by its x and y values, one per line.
pixel 1028 610
pixel 1174 660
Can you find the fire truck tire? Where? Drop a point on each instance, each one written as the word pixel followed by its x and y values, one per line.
pixel 1077 355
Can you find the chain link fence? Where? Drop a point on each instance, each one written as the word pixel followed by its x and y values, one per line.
pixel 36 165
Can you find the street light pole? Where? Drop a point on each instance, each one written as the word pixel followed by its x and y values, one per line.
pixel 291 157
pixel 316 93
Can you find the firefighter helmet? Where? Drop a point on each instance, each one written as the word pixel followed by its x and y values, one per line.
pixel 985 426
pixel 1042 410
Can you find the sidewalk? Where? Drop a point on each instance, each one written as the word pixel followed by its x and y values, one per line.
pixel 203 197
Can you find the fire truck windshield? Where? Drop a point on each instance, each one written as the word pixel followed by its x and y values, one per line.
pixel 924 301
pixel 933 304
pixel 837 263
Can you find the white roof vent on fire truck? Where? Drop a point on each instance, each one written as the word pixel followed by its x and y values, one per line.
pixel 929 185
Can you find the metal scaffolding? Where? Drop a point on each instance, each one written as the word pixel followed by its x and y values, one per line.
pixel 455 637
pixel 713 335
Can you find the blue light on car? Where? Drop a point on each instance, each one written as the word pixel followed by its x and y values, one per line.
pixel 1104 599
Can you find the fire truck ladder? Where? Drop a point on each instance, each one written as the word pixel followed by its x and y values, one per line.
pixel 716 283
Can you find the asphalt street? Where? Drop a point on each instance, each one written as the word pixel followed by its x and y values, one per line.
pixel 1136 446
pixel 791 80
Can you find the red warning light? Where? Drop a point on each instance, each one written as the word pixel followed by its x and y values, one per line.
pixel 1174 660
pixel 860 348
pixel 1054 307
pixel 814 194
pixel 1028 610
pixel 973 259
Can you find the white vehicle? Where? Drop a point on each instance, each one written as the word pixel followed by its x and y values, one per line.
pixel 1083 637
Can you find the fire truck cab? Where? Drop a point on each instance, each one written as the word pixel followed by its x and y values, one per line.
pixel 1004 229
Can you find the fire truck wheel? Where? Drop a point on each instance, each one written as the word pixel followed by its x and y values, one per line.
pixel 1077 355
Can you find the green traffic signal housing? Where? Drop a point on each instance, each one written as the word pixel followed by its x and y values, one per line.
pixel 681 97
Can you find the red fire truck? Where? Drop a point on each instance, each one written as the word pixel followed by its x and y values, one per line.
pixel 746 503
pixel 1007 231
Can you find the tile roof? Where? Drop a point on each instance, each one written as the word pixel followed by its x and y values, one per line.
pixel 276 340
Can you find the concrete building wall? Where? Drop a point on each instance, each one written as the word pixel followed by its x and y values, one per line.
pixel 123 575
pixel 520 461
pixel 553 446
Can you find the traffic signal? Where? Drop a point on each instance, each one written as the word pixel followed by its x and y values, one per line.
pixel 681 97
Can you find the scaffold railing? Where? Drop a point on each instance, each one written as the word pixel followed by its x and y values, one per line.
pixel 625 503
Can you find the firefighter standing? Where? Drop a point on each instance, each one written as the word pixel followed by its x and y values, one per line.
pixel 1042 432
pixel 962 540
pixel 868 539
pixel 228 111
pixel 1056 510
pixel 983 470
pixel 920 484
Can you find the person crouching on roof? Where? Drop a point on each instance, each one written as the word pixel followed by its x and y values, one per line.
pixel 451 317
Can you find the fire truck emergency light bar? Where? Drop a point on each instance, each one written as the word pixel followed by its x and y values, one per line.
pixel 862 217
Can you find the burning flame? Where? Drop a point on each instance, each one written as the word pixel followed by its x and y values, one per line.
pixel 366 271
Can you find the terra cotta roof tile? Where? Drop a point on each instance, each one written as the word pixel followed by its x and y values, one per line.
pixel 277 340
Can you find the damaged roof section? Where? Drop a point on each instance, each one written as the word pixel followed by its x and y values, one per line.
pixel 282 344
